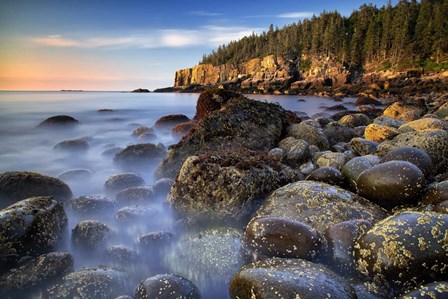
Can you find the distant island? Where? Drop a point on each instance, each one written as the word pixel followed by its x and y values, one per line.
pixel 140 90
pixel 72 90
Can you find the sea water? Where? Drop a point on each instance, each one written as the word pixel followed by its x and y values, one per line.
pixel 207 262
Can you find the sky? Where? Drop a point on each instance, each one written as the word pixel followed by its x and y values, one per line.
pixel 124 45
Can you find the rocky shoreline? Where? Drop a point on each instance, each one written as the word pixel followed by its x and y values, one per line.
pixel 353 205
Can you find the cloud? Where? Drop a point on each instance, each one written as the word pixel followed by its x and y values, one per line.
pixel 202 13
pixel 296 15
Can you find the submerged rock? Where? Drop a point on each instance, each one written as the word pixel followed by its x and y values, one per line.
pixel 30 227
pixel 120 256
pixel 144 132
pixel 140 155
pixel 163 186
pixel 119 182
pixel 75 145
pixel 59 121
pixel 167 286
pixel 91 204
pixel 135 195
pixel 183 129
pixel 90 234
pixel 288 278
pixel 18 185
pixel 155 240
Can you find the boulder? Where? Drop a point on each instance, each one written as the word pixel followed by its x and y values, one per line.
pixel 163 186
pixel 362 147
pixel 433 142
pixel 442 111
pixel 155 240
pixel 353 168
pixel 169 121
pixel 355 120
pixel 135 195
pixel 424 124
pixel 277 154
pixel 327 174
pixel 288 278
pixel 183 129
pixel 437 290
pixel 91 204
pixel 30 227
pixel 120 256
pixel 367 101
pixel 144 130
pixel 337 132
pixel 405 250
pixel 296 150
pixel 133 214
pixel 212 100
pixel 75 145
pixel 404 111
pixel 167 286
pixel 379 133
pixel 18 185
pixel 227 185
pixel 331 159
pixel 411 154
pixel 436 193
pixel 119 182
pixel 90 234
pixel 388 122
pixel 90 283
pixel 140 155
pixel 59 121
pixel 311 132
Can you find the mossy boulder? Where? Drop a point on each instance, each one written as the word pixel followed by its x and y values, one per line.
pixel 337 132
pixel 404 111
pixel 18 185
pixel 30 227
pixel 288 278
pixel 379 133
pixel 167 286
pixel 362 147
pixel 355 120
pixel 405 250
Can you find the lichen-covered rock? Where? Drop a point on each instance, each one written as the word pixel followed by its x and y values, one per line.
pixel 353 168
pixel 296 150
pixel 119 182
pixel 226 185
pixel 35 273
pixel 379 133
pixel 355 120
pixel 91 204
pixel 239 124
pixel 288 278
pixel 424 124
pixel 90 283
pixel 169 121
pixel 392 183
pixel 75 145
pixel 433 142
pixel 282 237
pixel 404 111
pixel 59 121
pixel 140 155
pixel 318 205
pixel 167 286
pixel 362 147
pixel 434 290
pixel 90 234
pixel 335 160
pixel 18 185
pixel 30 227
pixel 327 174
pixel 337 132
pixel 411 154
pixel 312 134
pixel 135 195
pixel 405 250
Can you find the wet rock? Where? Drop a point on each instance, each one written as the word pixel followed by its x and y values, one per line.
pixel 111 151
pixel 355 120
pixel 135 195
pixel 335 160
pixel 282 237
pixel 132 214
pixel 367 101
pixel 318 205
pixel 405 250
pixel 436 193
pixel 311 132
pixel 75 145
pixel 353 168
pixel 169 121
pixel 167 286
pixel 143 129
pixel 433 142
pixel 441 207
pixel 411 154
pixel 91 204
pixel 337 132
pixel 388 122
pixel 341 239
pixel 90 283
pixel 140 155
pixel 119 182
pixel 90 234
pixel 277 154
pixel 424 124
pixel 59 121
pixel 307 168
pixel 155 240
pixel 212 100
pixel 163 186
pixel 120 256
pixel 379 133
pixel 226 185
pixel 18 185
pixel 30 227
pixel 296 150
pixel 436 290
pixel 363 146
pixel 288 278
pixel 75 175
pixel 403 111
pixel 338 107
pixel 35 273
pixel 183 129
pixel 240 124
pixel 392 183
pixel 327 174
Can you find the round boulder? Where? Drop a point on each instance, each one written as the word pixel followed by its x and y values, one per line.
pixel 163 186
pixel 411 154
pixel 91 204
pixel 140 155
pixel 18 185
pixel 167 286
pixel 297 150
pixel 90 234
pixel 388 122
pixel 311 132
pixel 337 132
pixel 424 124
pixel 436 193
pixel 132 214
pixel 169 121
pixel 403 111
pixel 362 147
pixel 436 290
pixel 331 159
pixel 119 182
pixel 327 174
pixel 73 175
pixel 135 195
pixel 392 183
pixel 355 120
pixel 353 168
pixel 58 121
pixel 75 145
pixel 379 133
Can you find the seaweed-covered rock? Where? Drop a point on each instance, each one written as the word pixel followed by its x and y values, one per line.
pixel 75 145
pixel 226 184
pixel 119 182
pixel 288 278
pixel 424 124
pixel 392 183
pixel 35 273
pixel 379 133
pixel 91 204
pixel 135 195
pixel 169 121
pixel 239 124
pixel 433 142
pixel 90 234
pixel 411 154
pixel 405 250
pixel 90 283
pixel 327 174
pixel 167 286
pixel 312 134
pixel 282 237
pixel 434 290
pixel 18 185
pixel 353 168
pixel 140 155
pixel 337 132
pixel 59 121
pixel 296 150
pixel 318 205
pixel 30 227
pixel 362 147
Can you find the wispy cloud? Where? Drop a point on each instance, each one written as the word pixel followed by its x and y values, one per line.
pixel 202 13
pixel 296 15
pixel 211 36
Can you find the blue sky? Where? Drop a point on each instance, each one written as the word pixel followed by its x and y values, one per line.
pixel 122 45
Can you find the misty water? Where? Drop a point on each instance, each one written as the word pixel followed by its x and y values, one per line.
pixel 206 256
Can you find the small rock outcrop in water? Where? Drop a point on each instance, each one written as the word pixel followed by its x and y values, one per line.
pixel 58 121
pixel 169 121
pixel 140 155
pixel 30 227
pixel 90 234
pixel 140 90
pixel 167 286
pixel 119 182
pixel 18 185
pixel 75 145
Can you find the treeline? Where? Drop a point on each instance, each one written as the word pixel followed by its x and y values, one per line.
pixel 409 34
